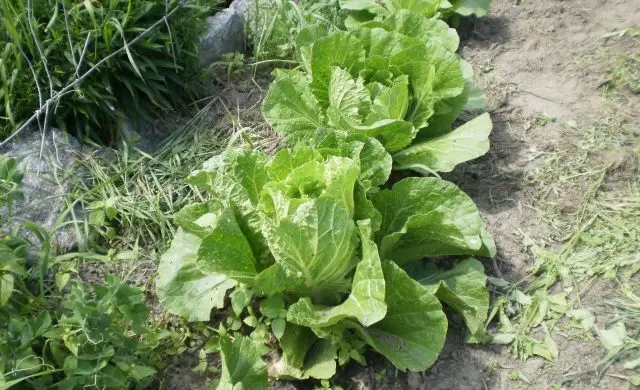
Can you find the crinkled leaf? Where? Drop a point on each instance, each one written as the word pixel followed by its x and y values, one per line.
pixel 463 288
pixel 226 251
pixel 392 133
pixel 182 288
pixel 241 180
pixel 448 80
pixel 418 26
pixel 443 153
pixel 364 208
pixel 291 108
pixel 448 110
pixel 341 49
pixel 413 332
pixel 236 178
pixel 317 242
pixel 242 365
pixel 347 96
pixel 334 178
pixel 421 75
pixel 286 160
pixel 366 301
pixel 198 218
pixel 6 288
pixel 427 217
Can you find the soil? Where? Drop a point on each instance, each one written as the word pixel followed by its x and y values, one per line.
pixel 535 61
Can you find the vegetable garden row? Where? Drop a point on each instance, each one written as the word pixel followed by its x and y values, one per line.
pixel 323 251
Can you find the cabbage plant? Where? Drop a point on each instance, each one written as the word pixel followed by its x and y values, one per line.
pixel 363 10
pixel 332 262
pixel 396 79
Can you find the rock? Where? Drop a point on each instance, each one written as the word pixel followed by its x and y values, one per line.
pixel 225 32
pixel 45 183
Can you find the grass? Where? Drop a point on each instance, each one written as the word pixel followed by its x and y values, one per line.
pixel 130 196
pixel 48 45
pixel 588 192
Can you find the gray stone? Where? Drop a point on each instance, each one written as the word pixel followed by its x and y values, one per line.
pixel 48 166
pixel 225 32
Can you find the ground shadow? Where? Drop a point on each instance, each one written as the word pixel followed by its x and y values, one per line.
pixel 484 32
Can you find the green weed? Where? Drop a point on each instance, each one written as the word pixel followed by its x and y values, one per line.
pixel 275 24
pixel 47 46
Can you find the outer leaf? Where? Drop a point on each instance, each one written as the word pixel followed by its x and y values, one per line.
pixel 295 343
pixel 304 356
pixel 347 96
pixel 242 365
pixel 463 288
pixel 382 46
pixel 269 281
pixel 448 110
pixel 226 251
pixel 340 49
pixel 375 164
pixel 364 208
pixel 321 360
pixel 478 8
pixel 341 175
pixel 412 334
pixel 359 5
pixel 239 179
pixel 422 77
pixel 291 108
pixel 476 99
pixel 317 242
pixel 198 218
pixel 427 217
pixel 182 288
pixel 366 301
pixel 424 7
pixel 6 288
pixel 443 153
pixel 418 26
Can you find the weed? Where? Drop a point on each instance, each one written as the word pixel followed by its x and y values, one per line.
pixel 63 39
pixel 275 24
